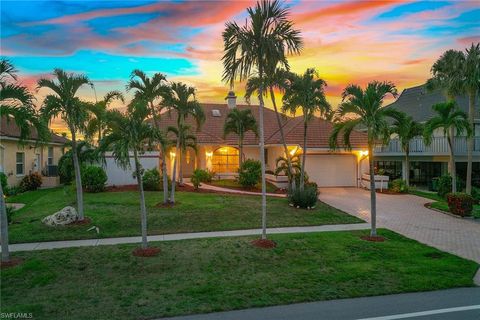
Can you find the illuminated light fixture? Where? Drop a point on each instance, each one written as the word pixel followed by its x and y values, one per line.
pixel 209 154
pixel 293 151
pixel 364 153
pixel 172 154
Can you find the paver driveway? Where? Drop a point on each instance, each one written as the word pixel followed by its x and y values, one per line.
pixel 407 215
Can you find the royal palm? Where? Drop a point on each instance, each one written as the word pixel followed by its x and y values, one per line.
pixel 97 122
pixel 240 122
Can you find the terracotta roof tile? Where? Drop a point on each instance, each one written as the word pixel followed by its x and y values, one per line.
pixel 10 129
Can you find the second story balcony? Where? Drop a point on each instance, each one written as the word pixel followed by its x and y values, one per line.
pixel 439 146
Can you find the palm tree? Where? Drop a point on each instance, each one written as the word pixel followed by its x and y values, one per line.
pixel 97 124
pixel 307 93
pixel 152 90
pixel 182 99
pixel 15 102
pixel 240 122
pixel 184 139
pixel 406 129
pixel 129 132
pixel 64 103
pixel 265 39
pixel 453 121
pixel 362 109
pixel 282 166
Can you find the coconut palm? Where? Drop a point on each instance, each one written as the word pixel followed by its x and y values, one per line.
pixel 240 122
pixel 305 93
pixel 129 132
pixel 406 129
pixel 185 140
pixel 453 122
pixel 97 122
pixel 16 104
pixel 182 99
pixel 152 90
pixel 65 103
pixel 265 39
pixel 362 109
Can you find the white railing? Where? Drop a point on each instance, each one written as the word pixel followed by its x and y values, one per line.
pixel 438 146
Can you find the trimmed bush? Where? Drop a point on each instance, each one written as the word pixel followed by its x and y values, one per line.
pixel 250 173
pixel 3 181
pixel 398 186
pixel 200 176
pixel 306 198
pixel 153 180
pixel 460 203
pixel 31 182
pixel 94 179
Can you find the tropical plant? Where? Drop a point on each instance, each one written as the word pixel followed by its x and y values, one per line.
pixel 94 179
pixel 16 104
pixel 265 40
pixel 199 176
pixel 64 103
pixel 398 186
pixel 306 93
pixel 97 123
pixel 362 109
pixel 182 99
pixel 240 122
pixel 129 132
pixel 31 182
pixel 151 180
pixel 460 204
pixel 304 198
pixel 250 173
pixel 453 122
pixel 282 168
pixel 406 129
pixel 86 154
pixel 183 139
pixel 153 90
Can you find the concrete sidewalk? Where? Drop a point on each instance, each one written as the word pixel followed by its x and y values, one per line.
pixel 181 236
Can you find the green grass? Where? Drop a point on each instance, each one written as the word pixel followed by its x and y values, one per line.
pixel 440 203
pixel 197 276
pixel 117 214
pixel 233 184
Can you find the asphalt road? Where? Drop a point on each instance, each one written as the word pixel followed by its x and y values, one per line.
pixel 452 304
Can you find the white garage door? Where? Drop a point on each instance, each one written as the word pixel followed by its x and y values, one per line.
pixel 332 170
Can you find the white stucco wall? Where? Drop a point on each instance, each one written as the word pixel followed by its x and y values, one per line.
pixel 118 176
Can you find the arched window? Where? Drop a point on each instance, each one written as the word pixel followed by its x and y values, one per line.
pixel 225 160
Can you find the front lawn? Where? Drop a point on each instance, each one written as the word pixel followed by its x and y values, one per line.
pixel 441 204
pixel 233 184
pixel 197 276
pixel 117 214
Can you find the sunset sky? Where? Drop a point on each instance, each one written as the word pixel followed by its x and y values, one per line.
pixel 347 41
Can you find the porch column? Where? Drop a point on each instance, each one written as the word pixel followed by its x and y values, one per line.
pixel 404 169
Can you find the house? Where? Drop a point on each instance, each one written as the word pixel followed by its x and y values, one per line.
pixel 220 154
pixel 427 162
pixel 17 160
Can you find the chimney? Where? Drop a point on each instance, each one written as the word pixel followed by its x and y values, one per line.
pixel 231 100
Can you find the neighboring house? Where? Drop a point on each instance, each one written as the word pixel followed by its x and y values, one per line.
pixel 326 167
pixel 427 162
pixel 17 160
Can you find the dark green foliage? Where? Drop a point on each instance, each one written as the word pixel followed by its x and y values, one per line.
pixel 250 173
pixel 87 154
pixel 65 168
pixel 398 186
pixel 10 211
pixel 31 182
pixel 460 203
pixel 306 198
pixel 3 181
pixel 153 180
pixel 476 193
pixel 200 176
pixel 445 185
pixel 94 179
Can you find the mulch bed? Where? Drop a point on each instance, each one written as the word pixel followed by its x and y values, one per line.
pixel 147 252
pixel 387 191
pixel 373 238
pixel 84 222
pixel 130 187
pixel 264 243
pixel 12 263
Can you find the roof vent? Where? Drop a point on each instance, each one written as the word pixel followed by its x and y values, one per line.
pixel 216 113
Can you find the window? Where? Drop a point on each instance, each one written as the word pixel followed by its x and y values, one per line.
pixel 225 160
pixel 393 169
pixel 50 156
pixel 20 164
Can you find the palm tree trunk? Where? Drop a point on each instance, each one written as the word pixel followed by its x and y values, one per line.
pixel 164 177
pixel 240 147
pixel 262 159
pixel 453 171
pixel 304 156
pixel 407 167
pixel 180 168
pixel 174 173
pixel 373 194
pixel 282 137
pixel 143 209
pixel 78 176
pixel 471 115
pixel 4 228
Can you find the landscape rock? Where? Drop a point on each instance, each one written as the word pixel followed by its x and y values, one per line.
pixel 63 217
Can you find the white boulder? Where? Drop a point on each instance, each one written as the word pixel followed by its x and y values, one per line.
pixel 65 216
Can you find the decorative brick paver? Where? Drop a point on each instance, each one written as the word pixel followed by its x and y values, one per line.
pixel 407 215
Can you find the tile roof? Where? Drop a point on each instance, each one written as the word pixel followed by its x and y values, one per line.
pixel 211 131
pixel 10 129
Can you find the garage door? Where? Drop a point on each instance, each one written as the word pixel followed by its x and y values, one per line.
pixel 332 170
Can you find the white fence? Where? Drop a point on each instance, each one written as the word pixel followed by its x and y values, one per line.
pixel 119 177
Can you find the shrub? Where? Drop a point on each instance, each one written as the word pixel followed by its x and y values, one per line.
pixel 31 182
pixel 306 198
pixel 3 181
pixel 398 186
pixel 445 185
pixel 200 176
pixel 93 179
pixel 250 173
pixel 460 203
pixel 65 169
pixel 12 191
pixel 153 180
pixel 10 211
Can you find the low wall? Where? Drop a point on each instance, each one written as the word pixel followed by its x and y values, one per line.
pixel 117 176
pixel 381 182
